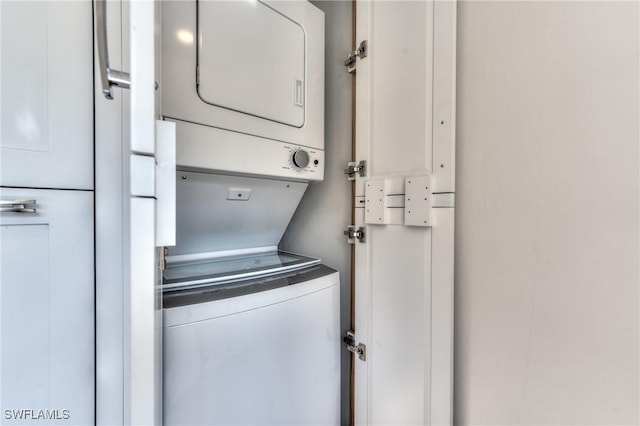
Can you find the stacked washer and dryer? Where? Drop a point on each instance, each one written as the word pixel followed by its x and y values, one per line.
pixel 251 334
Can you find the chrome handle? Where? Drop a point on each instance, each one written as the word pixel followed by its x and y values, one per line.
pixel 17 206
pixel 108 76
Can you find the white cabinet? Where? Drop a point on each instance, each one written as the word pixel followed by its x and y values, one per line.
pixel 47 371
pixel 46 92
pixel 46 308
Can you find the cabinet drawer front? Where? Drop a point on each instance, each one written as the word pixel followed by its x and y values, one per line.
pixel 47 308
pixel 46 114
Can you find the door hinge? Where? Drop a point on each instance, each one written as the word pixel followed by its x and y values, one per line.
pixel 360 349
pixel 353 168
pixel 164 251
pixel 360 52
pixel 353 234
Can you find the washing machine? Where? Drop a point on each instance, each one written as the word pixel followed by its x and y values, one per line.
pixel 254 350
pixel 251 335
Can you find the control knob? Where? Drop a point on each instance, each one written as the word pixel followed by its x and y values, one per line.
pixel 300 158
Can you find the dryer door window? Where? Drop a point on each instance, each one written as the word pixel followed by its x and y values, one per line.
pixel 251 59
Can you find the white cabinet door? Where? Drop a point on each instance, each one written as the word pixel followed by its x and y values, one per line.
pixel 405 113
pixel 46 88
pixel 129 356
pixel 144 352
pixel 47 309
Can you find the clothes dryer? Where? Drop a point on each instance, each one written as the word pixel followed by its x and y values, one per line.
pixel 244 83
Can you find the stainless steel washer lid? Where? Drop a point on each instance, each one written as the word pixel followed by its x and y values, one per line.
pixel 207 272
pixel 175 298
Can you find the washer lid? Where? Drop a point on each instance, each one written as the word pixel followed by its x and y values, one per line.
pixel 251 59
pixel 218 213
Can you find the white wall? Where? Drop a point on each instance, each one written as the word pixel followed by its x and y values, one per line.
pixel 325 211
pixel 547 237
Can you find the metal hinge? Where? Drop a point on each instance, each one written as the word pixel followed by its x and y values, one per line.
pixel 164 251
pixel 353 168
pixel 360 349
pixel 360 52
pixel 353 234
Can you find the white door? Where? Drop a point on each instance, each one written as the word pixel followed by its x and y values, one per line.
pixel 149 191
pixel 405 111
pixel 46 307
pixel 46 102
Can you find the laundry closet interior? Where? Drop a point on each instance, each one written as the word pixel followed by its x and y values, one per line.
pixel 311 278
pixel 268 200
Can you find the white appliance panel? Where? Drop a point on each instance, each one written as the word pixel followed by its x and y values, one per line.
pixel 209 149
pixel 269 358
pixel 251 59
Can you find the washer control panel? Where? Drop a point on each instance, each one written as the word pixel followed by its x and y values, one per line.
pixel 300 158
pixel 303 161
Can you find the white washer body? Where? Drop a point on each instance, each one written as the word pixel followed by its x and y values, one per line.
pixel 244 83
pixel 267 358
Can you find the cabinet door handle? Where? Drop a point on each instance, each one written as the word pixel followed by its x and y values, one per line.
pixel 17 206
pixel 108 76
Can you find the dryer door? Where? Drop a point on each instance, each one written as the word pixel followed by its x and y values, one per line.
pixel 251 59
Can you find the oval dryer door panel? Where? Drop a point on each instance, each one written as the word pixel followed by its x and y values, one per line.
pixel 251 59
